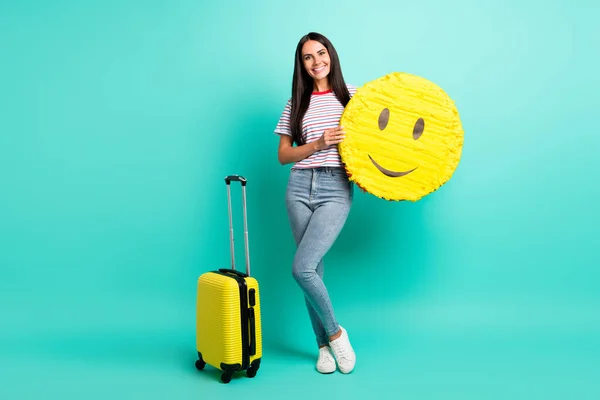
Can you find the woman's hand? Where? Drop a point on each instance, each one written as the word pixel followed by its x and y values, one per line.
pixel 330 137
pixel 287 153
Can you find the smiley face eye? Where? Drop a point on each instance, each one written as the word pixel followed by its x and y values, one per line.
pixel 418 129
pixel 384 117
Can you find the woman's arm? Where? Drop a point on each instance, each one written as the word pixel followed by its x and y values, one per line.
pixel 287 153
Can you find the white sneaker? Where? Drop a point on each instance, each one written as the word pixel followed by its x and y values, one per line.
pixel 326 362
pixel 343 352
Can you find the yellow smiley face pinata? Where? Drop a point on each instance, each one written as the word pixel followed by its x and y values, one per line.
pixel 403 137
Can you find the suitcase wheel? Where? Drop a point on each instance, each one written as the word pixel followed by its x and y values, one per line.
pixel 253 369
pixel 226 376
pixel 200 364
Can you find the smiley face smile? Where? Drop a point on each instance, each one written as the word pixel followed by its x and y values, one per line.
pixel 390 173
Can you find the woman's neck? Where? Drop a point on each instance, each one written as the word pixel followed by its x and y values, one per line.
pixel 321 85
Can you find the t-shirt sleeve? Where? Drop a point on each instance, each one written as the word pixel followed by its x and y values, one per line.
pixel 283 126
pixel 352 89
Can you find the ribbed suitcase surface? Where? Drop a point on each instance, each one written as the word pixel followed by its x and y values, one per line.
pixel 219 320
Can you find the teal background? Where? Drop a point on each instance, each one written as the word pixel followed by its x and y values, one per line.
pixel 119 120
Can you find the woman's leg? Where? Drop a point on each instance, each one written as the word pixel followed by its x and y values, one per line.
pixel 299 213
pixel 321 232
pixel 317 325
pixel 321 336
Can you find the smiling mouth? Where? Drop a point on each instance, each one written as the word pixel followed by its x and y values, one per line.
pixel 393 174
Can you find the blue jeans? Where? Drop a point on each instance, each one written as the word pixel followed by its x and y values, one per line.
pixel 318 201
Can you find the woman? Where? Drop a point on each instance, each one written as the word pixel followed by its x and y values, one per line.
pixel 319 194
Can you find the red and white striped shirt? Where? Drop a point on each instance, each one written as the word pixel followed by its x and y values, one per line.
pixel 324 112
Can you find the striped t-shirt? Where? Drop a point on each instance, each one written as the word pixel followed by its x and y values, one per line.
pixel 324 112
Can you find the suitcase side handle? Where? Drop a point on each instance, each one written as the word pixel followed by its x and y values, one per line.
pixel 242 180
pixel 252 322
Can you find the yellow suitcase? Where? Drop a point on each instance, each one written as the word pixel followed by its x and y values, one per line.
pixel 228 324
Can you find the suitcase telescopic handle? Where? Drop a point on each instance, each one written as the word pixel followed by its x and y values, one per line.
pixel 235 178
pixel 242 180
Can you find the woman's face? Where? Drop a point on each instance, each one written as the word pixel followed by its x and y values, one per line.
pixel 316 59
